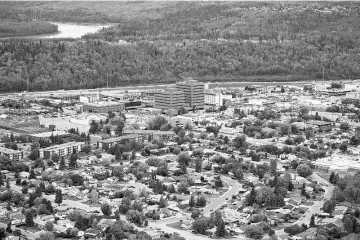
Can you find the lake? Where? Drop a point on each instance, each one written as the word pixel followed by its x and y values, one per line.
pixel 72 30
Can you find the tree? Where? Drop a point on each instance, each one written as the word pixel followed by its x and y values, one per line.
pixel 329 206
pixel 73 160
pixel 198 164
pixel 255 232
pixel 273 166
pixel 49 226
pixel 192 201
pixel 118 171
pixel 200 225
pixel 86 148
pixel 55 157
pixel 106 209
pixel 201 201
pixel 120 127
pixel 8 228
pixel 348 224
pixel 156 123
pixel 62 163
pixel 239 141
pixel 46 236
pixel 183 159
pixel 195 213
pixel 29 220
pixel 344 126
pixel 312 221
pixel 220 229
pixel 250 198
pixel 7 183
pixel 331 178
pixel 343 147
pixel 58 196
pixel 304 170
pixel 32 174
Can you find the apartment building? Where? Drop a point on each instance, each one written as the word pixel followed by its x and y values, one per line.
pixel 149 135
pixel 15 155
pixel 193 93
pixel 169 99
pixel 107 143
pixel 62 149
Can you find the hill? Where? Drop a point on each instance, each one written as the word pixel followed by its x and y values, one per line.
pixel 166 41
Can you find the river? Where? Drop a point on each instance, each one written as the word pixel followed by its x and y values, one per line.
pixel 72 30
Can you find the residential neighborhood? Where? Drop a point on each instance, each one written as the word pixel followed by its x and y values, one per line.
pixel 212 162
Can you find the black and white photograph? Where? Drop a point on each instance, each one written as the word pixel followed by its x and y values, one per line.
pixel 179 120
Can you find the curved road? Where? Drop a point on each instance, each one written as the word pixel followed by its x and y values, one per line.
pixel 215 203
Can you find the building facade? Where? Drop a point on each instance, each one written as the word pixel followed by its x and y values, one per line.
pixel 62 149
pixel 15 155
pixel 169 99
pixel 194 93
pixel 104 107
pixel 149 135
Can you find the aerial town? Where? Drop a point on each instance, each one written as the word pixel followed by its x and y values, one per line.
pixel 189 161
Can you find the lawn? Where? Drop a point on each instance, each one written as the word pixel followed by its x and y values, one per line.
pixel 176 225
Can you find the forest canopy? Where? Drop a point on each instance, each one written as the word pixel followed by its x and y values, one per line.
pixel 221 41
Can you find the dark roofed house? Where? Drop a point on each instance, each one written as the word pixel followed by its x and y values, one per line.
pixel 92 233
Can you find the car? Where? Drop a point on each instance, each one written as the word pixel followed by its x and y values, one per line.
pixel 176 233
pixel 227 198
pixel 158 228
pixel 211 210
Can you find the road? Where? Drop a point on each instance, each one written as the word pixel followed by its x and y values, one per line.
pixel 215 203
pixel 158 86
pixel 315 208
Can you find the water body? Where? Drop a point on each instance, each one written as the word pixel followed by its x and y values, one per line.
pixel 72 30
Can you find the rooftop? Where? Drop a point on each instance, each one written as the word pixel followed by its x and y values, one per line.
pixel 156 132
pixel 103 104
pixel 64 145
pixel 8 150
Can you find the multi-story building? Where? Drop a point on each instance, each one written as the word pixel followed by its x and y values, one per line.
pixel 193 93
pixel 149 135
pixel 107 143
pixel 104 107
pixel 11 154
pixel 62 149
pixel 169 99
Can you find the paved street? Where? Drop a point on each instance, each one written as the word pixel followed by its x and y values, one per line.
pixel 234 186
pixel 317 204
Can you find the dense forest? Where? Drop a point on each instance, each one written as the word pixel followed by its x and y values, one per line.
pixel 15 29
pixel 221 41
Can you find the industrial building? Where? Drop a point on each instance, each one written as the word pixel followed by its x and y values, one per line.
pixel 104 107
pixel 194 95
pixel 169 99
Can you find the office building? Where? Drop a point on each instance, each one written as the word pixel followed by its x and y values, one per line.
pixel 169 99
pixel 11 154
pixel 193 93
pixel 62 149
pixel 104 107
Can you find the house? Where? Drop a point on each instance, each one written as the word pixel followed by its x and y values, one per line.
pixel 92 233
pixel 17 219
pixel 104 223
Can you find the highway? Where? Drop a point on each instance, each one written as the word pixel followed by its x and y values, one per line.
pixel 155 86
